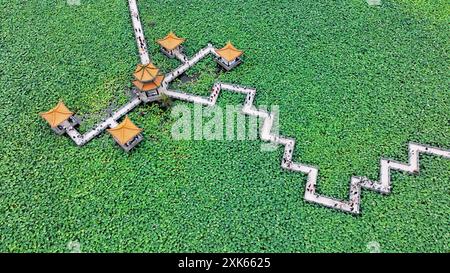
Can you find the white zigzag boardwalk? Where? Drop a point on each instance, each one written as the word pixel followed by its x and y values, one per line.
pixel 356 183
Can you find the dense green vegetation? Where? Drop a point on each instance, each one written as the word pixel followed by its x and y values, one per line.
pixel 340 71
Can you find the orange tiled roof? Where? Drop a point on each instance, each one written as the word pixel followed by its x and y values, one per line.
pixel 149 85
pixel 57 115
pixel 145 73
pixel 171 41
pixel 125 131
pixel 229 52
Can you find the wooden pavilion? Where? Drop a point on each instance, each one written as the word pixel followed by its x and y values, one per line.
pixel 147 80
pixel 126 134
pixel 171 44
pixel 60 118
pixel 228 56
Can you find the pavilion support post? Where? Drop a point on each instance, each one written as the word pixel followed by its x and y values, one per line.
pixel 228 65
pixel 130 144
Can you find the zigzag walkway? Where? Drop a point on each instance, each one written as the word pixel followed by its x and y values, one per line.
pixel 311 195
